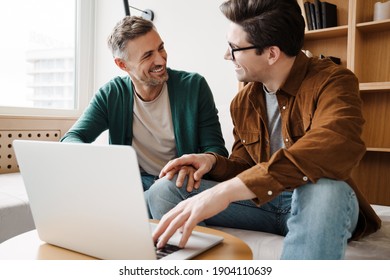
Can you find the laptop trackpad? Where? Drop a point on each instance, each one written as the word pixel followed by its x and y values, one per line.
pixel 197 243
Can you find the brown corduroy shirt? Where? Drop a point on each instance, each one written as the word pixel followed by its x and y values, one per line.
pixel 321 127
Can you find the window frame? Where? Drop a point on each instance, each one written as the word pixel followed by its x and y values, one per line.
pixel 84 68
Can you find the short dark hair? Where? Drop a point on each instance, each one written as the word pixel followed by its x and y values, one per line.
pixel 129 28
pixel 269 23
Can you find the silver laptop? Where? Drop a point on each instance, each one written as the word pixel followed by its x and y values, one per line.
pixel 89 199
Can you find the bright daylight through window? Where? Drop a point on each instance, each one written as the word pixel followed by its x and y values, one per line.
pixel 37 54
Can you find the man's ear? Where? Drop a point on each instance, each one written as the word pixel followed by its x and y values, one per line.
pixel 120 63
pixel 273 54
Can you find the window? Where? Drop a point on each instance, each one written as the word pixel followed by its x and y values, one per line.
pixel 45 56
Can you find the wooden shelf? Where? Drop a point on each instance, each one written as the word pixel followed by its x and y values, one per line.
pixel 374 26
pixel 325 33
pixel 379 150
pixel 375 87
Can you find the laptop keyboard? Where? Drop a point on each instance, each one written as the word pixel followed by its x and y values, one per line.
pixel 167 250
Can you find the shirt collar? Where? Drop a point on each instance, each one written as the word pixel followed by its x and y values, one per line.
pixel 297 74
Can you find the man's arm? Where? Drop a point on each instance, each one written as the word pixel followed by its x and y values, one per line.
pixel 209 128
pixel 187 214
pixel 91 124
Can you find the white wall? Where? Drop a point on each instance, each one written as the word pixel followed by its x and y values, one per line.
pixel 194 33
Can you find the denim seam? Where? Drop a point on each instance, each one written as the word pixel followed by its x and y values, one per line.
pixel 347 222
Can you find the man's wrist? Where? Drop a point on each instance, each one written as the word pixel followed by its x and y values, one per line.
pixel 213 159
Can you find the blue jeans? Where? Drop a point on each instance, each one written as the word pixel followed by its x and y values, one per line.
pixel 316 219
pixel 147 181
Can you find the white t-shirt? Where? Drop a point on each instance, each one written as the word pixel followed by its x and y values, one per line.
pixel 153 135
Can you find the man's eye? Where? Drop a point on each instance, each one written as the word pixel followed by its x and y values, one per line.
pixel 146 56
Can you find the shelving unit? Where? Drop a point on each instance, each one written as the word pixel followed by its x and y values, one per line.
pixel 364 47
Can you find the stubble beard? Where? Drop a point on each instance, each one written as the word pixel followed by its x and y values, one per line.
pixel 156 82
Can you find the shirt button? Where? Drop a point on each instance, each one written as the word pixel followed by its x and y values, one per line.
pixel 269 193
pixel 284 107
pixel 286 140
pixel 243 141
pixel 305 178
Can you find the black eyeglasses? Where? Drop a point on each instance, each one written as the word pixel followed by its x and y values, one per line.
pixel 232 50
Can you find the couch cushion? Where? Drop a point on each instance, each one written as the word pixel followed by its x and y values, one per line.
pixel 15 213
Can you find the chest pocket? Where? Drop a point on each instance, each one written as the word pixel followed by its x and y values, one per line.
pixel 251 142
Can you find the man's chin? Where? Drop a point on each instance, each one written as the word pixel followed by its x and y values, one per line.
pixel 159 81
pixel 240 75
pixel 241 78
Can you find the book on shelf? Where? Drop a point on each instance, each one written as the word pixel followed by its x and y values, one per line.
pixel 309 24
pixel 317 13
pixel 313 16
pixel 320 14
pixel 329 14
pixel 301 6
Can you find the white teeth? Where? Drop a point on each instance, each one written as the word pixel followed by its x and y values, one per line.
pixel 157 69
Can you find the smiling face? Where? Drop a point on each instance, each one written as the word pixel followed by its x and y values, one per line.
pixel 147 59
pixel 249 65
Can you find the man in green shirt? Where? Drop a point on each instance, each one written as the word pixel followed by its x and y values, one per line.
pixel 162 113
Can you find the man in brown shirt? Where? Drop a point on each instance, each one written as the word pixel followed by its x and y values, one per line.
pixel 297 126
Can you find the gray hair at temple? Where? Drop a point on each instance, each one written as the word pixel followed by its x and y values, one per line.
pixel 129 28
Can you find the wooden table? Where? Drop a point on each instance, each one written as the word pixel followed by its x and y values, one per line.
pixel 28 246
